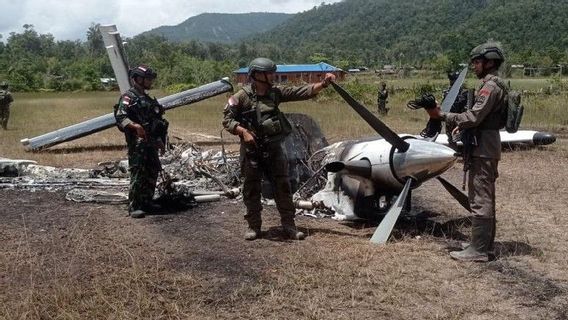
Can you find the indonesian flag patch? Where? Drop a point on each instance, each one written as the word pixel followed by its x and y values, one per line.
pixel 126 100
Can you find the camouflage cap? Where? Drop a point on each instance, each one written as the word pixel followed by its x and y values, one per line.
pixel 262 65
pixel 489 51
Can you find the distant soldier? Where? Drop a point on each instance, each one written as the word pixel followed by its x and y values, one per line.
pixel 5 100
pixel 382 97
pixel 140 118
pixel 253 114
pixel 482 148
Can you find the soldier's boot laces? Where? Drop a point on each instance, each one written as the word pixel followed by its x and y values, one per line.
pixel 136 214
pixel 252 233
pixel 481 241
pixel 293 233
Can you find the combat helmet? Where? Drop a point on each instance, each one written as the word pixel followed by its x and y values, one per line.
pixel 489 51
pixel 4 84
pixel 143 71
pixel 261 65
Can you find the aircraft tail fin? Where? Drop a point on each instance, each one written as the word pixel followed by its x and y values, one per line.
pixel 117 55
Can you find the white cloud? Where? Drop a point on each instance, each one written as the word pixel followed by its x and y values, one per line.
pixel 70 19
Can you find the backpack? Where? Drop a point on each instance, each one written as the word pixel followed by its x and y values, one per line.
pixel 512 110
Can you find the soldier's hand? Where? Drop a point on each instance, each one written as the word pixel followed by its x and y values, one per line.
pixel 249 138
pixel 434 113
pixel 139 130
pixel 328 78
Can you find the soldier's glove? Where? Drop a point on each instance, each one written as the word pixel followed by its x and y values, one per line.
pixel 433 127
pixel 426 101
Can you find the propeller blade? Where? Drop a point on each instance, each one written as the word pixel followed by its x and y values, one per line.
pixel 384 229
pixel 373 121
pixel 456 193
pixel 454 91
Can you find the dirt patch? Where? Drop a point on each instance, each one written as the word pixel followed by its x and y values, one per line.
pixel 65 260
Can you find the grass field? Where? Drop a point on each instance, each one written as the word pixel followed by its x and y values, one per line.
pixel 67 260
pixel 33 114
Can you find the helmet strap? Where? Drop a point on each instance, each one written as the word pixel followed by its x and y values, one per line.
pixel 268 84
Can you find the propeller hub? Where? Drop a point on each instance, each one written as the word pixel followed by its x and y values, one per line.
pixel 423 160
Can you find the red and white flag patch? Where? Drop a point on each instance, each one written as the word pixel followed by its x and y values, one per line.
pixel 485 92
pixel 126 100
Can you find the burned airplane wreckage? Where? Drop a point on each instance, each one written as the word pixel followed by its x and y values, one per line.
pixel 361 179
pixel 189 173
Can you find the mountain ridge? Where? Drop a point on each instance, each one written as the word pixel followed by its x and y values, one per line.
pixel 220 27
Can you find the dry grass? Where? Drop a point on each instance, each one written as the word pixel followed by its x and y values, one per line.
pixel 38 113
pixel 62 260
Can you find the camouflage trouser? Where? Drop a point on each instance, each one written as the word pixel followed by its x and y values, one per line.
pixel 274 163
pixel 382 106
pixel 4 116
pixel 144 166
pixel 481 186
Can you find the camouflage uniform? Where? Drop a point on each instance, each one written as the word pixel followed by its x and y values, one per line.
pixel 268 157
pixel 5 101
pixel 143 158
pixel 485 120
pixel 382 97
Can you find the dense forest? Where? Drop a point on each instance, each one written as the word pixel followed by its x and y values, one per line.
pixel 220 27
pixel 375 32
pixel 433 34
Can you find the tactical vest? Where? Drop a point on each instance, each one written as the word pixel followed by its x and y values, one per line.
pixel 263 117
pixel 147 112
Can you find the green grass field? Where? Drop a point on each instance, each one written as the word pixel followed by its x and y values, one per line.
pixel 33 114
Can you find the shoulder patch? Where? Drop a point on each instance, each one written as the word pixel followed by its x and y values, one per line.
pixel 485 92
pixel 125 100
pixel 233 101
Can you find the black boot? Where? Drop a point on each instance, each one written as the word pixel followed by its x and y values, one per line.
pixel 293 233
pixel 252 233
pixel 137 214
pixel 481 240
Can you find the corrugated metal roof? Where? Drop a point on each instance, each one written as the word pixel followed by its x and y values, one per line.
pixel 321 67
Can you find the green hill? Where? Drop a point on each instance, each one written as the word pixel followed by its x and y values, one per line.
pixel 220 27
pixel 383 31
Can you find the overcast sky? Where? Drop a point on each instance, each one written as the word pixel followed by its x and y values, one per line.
pixel 70 19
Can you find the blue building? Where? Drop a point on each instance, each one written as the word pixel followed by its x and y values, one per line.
pixel 296 73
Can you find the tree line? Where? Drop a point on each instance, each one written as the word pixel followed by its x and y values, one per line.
pixel 429 34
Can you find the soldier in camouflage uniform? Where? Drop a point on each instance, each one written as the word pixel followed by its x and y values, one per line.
pixel 482 123
pixel 382 97
pixel 140 118
pixel 5 100
pixel 253 114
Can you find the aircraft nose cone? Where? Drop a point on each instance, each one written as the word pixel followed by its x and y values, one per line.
pixel 423 160
pixel 543 138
